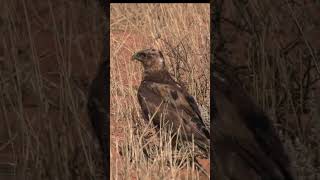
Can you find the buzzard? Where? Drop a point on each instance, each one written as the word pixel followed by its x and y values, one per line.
pixel 165 101
pixel 246 145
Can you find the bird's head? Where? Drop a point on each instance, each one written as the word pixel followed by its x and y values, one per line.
pixel 151 59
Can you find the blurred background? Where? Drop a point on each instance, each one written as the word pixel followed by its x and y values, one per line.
pixel 49 53
pixel 273 48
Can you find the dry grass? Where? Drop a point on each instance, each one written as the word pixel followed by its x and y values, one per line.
pixel 181 32
pixel 49 51
pixel 284 94
pixel 277 46
pixel 48 54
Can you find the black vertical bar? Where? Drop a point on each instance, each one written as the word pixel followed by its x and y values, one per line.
pixel 211 91
pixel 106 75
pixel 215 45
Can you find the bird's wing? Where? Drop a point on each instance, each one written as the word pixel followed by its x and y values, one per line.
pixel 233 140
pixel 180 108
pixel 240 118
pixel 191 106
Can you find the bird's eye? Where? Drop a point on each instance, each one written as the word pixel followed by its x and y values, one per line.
pixel 143 55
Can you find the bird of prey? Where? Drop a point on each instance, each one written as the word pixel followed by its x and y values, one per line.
pixel 163 100
pixel 246 145
pixel 97 111
pixel 97 104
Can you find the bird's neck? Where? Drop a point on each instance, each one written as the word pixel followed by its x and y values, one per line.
pixel 161 76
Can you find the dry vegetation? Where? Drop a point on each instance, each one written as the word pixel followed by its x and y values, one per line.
pixel 181 32
pixel 274 48
pixel 48 55
pixel 47 61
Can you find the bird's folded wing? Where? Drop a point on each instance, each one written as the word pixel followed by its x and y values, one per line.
pixel 181 104
pixel 238 116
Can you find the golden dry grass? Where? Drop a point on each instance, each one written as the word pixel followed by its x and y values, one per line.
pixel 49 51
pixel 181 32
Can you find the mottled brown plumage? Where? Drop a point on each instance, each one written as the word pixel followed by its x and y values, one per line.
pixel 160 95
pixel 246 145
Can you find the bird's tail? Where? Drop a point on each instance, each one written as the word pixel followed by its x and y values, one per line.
pixel 204 146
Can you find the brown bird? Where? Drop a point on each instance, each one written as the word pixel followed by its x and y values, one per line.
pixel 97 104
pixel 163 99
pixel 97 111
pixel 246 145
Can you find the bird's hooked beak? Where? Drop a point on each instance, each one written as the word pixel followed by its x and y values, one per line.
pixel 138 56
